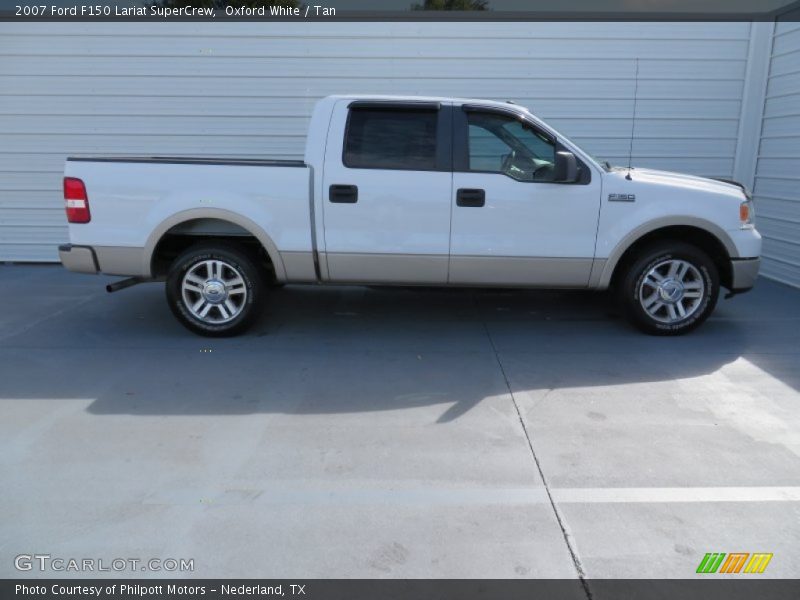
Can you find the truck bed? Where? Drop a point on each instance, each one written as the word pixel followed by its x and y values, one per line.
pixel 136 200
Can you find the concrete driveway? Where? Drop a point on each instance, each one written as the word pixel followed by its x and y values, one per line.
pixel 396 433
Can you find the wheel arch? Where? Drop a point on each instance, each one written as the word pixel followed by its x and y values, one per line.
pixel 214 214
pixel 710 238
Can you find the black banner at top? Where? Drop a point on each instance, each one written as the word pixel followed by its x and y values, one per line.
pixel 399 10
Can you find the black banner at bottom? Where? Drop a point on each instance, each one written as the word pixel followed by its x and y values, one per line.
pixel 411 589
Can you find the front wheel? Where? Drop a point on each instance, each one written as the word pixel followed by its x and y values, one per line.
pixel 214 290
pixel 670 289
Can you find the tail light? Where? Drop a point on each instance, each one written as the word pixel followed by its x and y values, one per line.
pixel 76 201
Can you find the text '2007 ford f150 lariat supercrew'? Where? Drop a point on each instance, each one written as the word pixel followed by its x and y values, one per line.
pixel 412 191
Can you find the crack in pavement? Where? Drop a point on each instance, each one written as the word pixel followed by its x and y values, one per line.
pixel 576 561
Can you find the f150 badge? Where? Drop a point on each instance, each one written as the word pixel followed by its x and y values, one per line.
pixel 622 197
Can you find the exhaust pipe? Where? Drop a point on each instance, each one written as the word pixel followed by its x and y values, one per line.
pixel 124 283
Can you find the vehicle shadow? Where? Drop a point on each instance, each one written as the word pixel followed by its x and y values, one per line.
pixel 336 350
pixel 328 350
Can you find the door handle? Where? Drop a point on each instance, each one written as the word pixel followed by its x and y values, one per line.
pixel 470 197
pixel 343 194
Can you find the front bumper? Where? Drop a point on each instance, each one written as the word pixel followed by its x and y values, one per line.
pixel 743 273
pixel 80 259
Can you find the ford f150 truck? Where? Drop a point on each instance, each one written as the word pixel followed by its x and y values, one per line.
pixel 412 191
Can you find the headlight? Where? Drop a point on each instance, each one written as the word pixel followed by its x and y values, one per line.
pixel 747 215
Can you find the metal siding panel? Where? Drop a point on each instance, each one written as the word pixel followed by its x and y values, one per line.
pixel 777 188
pixel 781 106
pixel 784 188
pixel 151 125
pixel 13 199
pixel 784 84
pixel 569 30
pixel 33 252
pixel 265 146
pixel 784 64
pixel 779 209
pixel 32 217
pixel 532 85
pixel 244 89
pixel 786 41
pixel 432 45
pixel 324 66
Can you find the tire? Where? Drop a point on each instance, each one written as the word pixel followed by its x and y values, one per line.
pixel 227 282
pixel 670 288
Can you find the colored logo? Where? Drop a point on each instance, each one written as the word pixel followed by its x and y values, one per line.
pixel 735 562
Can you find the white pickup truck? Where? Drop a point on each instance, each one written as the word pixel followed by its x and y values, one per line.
pixel 412 191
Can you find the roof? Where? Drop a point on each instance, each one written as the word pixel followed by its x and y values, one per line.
pixel 443 99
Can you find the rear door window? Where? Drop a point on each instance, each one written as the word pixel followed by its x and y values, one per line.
pixel 378 138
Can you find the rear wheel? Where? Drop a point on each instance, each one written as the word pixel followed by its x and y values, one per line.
pixel 214 290
pixel 670 289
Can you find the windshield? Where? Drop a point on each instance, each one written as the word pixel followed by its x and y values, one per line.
pixel 604 164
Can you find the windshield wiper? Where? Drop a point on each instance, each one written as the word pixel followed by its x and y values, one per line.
pixel 607 165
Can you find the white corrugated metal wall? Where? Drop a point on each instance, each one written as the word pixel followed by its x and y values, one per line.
pixel 247 89
pixel 777 181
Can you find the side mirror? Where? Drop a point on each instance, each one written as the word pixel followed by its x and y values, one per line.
pixel 566 168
